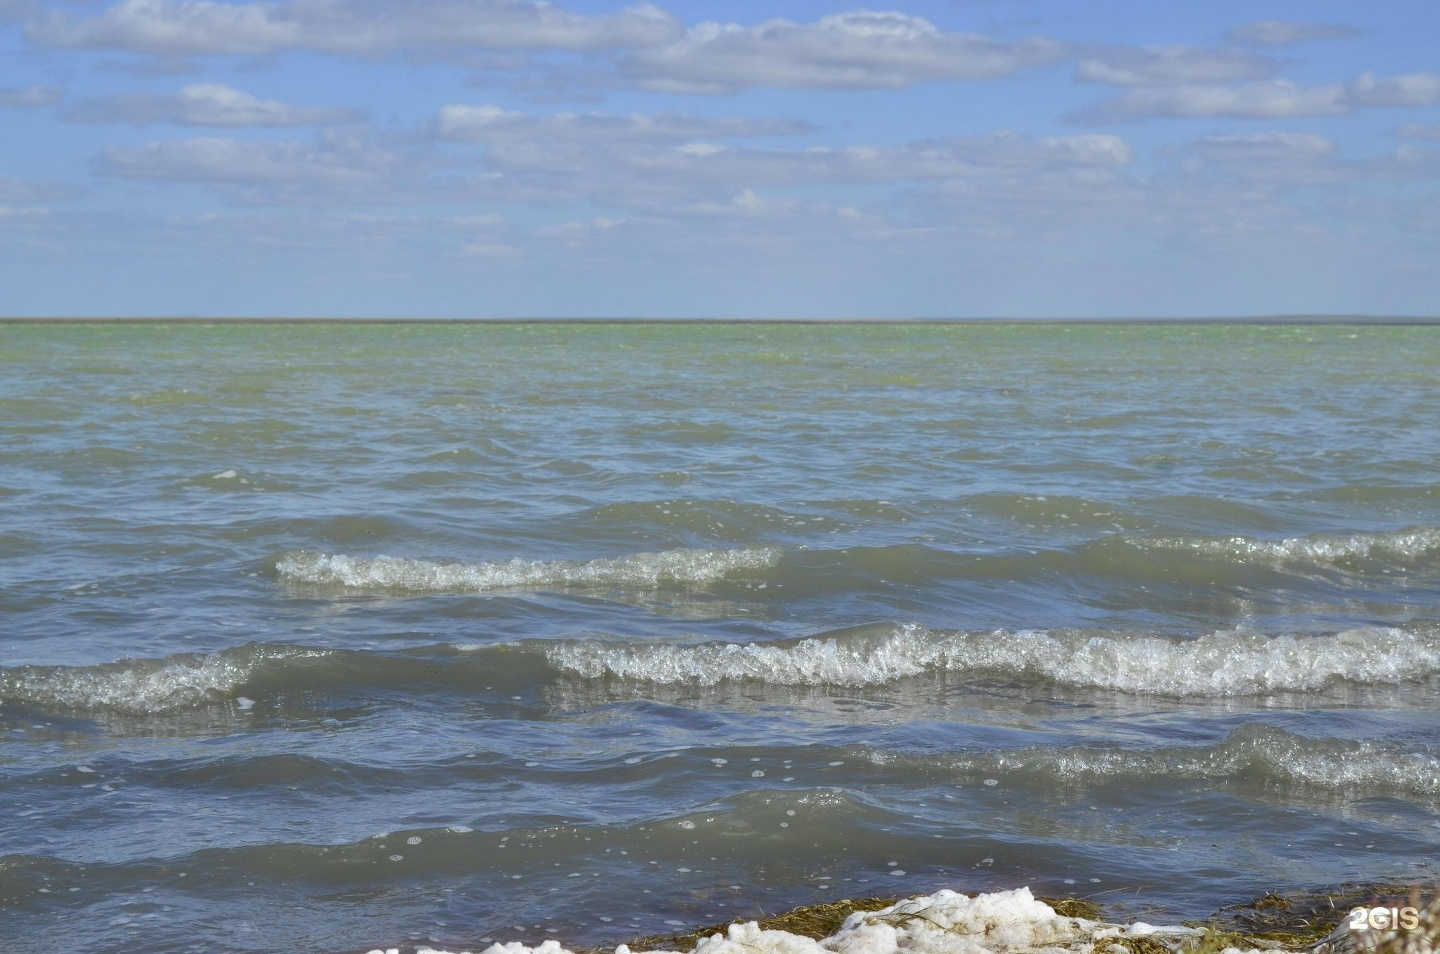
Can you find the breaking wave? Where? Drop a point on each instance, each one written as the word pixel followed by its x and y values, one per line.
pixel 1323 550
pixel 1234 663
pixel 395 574
pixel 1254 753
pixel 142 686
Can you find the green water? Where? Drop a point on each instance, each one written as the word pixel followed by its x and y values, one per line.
pixel 330 636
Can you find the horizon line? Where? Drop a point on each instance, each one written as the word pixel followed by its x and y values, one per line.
pixel 1276 319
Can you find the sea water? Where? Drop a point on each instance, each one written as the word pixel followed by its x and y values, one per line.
pixel 332 637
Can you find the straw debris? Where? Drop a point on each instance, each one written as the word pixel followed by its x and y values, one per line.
pixel 1308 919
pixel 1312 921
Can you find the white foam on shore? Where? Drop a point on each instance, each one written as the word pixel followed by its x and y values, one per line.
pixel 141 685
pixel 666 568
pixel 1322 550
pixel 1005 922
pixel 1231 663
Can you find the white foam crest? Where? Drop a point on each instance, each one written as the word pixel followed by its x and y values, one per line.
pixel 136 686
pixel 1264 752
pixel 638 570
pixel 1318 550
pixel 1221 664
pixel 946 922
pixel 809 662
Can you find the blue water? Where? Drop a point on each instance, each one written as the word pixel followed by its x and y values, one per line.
pixel 333 637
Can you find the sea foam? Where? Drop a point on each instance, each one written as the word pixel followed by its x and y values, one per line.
pixel 946 922
pixel 1229 663
pixel 1321 550
pixel 142 685
pixel 638 570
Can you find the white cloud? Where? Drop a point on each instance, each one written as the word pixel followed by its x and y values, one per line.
pixel 1277 156
pixel 29 96
pixel 209 27
pixel 1266 147
pixel 489 250
pixel 635 163
pixel 1417 161
pixel 1293 158
pixel 151 67
pixel 1269 99
pixel 486 220
pixel 855 50
pixel 1412 89
pixel 490 124
pixel 23 190
pixel 9 212
pixel 1286 32
pixel 746 204
pixel 577 233
pixel 334 163
pixel 1171 66
pixel 642 160
pixel 203 104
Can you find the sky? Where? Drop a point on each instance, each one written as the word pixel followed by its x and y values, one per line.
pixel 792 159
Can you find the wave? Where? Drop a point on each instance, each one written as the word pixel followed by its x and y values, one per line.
pixel 142 686
pixel 1234 663
pixel 1126 559
pixel 638 570
pixel 1254 753
pixel 1218 665
pixel 1322 550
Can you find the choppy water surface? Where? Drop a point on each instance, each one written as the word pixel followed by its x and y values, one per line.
pixel 332 637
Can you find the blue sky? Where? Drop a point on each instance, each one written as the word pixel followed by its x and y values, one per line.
pixel 927 158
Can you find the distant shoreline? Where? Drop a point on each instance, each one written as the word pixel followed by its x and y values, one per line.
pixel 1260 320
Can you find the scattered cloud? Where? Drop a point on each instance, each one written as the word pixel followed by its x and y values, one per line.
pixel 151 67
pixel 1419 131
pixel 640 161
pixel 1276 156
pixel 22 190
pixel 488 250
pixel 1412 89
pixel 578 233
pixel 1267 99
pixel 1414 161
pixel 30 96
pixel 169 28
pixel 1264 147
pixel 491 124
pixel 302 171
pixel 643 164
pixel 203 104
pixel 1296 158
pixel 746 204
pixel 1286 32
pixel 1171 66
pixel 856 50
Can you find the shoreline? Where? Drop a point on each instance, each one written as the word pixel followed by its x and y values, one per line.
pixel 1316 921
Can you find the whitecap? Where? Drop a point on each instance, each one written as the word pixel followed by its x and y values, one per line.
pixel 1321 550
pixel 1227 663
pixel 638 570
